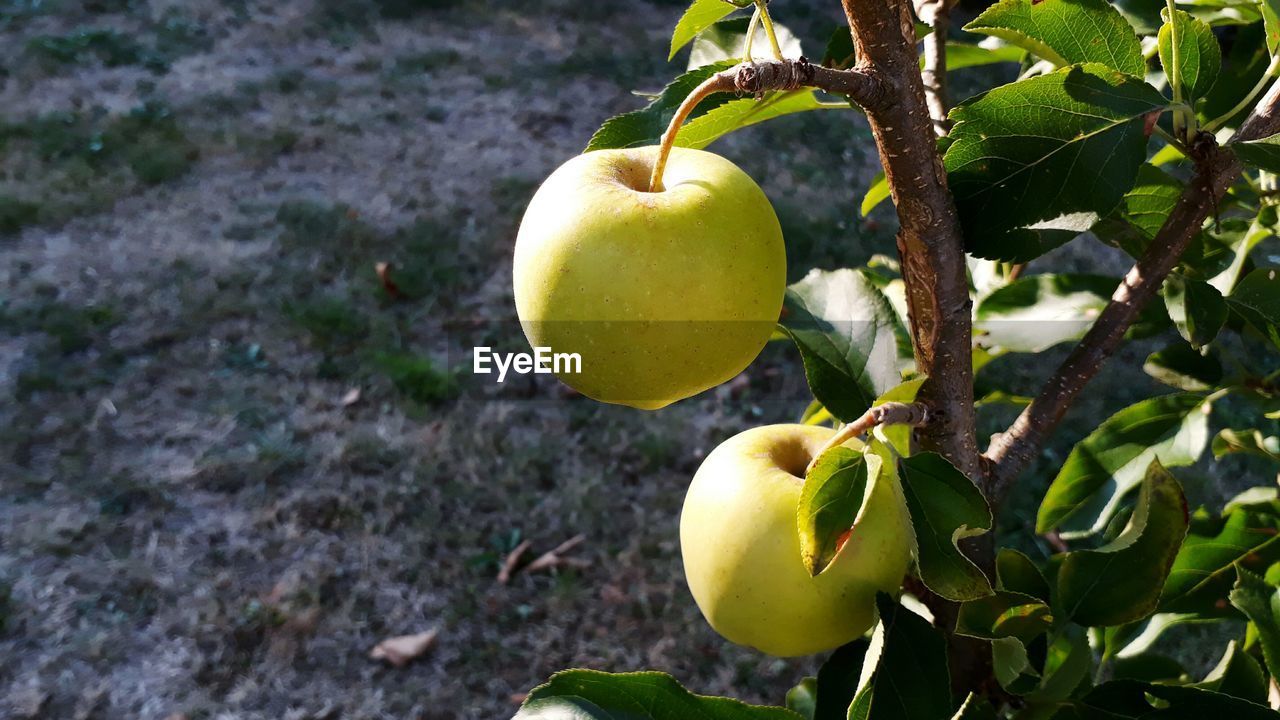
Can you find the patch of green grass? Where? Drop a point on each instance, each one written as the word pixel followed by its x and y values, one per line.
pixel 334 229
pixel 72 328
pixel 79 162
pixel 424 62
pixel 425 264
pixel 417 377
pixel 111 48
pixel 333 321
pixel 171 37
pixel 152 143
pixel 16 214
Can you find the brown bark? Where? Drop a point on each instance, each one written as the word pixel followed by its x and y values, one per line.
pixel 930 244
pixel 931 251
pixel 937 14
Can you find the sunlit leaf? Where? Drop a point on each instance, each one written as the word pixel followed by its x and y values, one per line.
pixel 1113 459
pixel 1260 603
pixel 946 507
pixel 700 15
pixel 833 493
pixel 594 695
pixel 847 335
pixel 1037 162
pixel 1065 32
pixel 1121 581
pixel 1199 56
pixel 645 127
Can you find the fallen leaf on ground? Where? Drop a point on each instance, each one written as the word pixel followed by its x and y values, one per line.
pixel 400 650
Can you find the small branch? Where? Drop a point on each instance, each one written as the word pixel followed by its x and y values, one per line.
pixel 513 559
pixel 754 78
pixel 556 557
pixel 937 14
pixel 890 413
pixel 1216 169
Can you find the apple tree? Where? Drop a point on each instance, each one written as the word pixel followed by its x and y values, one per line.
pixel 867 529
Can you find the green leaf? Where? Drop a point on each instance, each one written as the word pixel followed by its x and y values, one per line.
pixel 846 331
pixel 1199 56
pixel 802 699
pixel 1241 244
pixel 840 52
pixel 1253 442
pixel 701 15
pixel 1012 666
pixel 1182 367
pixel 1142 211
pixel 1196 308
pixel 1035 163
pixel 1271 25
pixel 737 114
pixel 946 507
pixel 838 680
pixel 1257 299
pixel 975 707
pixel 1237 674
pixel 1121 581
pixel 594 695
pixel 963 55
pixel 910 678
pixel 1261 604
pixel 1017 573
pixel 1263 154
pixel 1066 32
pixel 1066 667
pixel 1133 699
pixel 1034 313
pixel 1113 459
pixel 833 493
pixel 876 194
pixel 645 127
pixel 1204 570
pixel 1004 614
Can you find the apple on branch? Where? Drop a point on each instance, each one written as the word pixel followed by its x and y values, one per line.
pixel 741 546
pixel 662 293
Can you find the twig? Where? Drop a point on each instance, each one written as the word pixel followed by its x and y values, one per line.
pixel 555 558
pixel 890 413
pixel 937 14
pixel 754 78
pixel 1216 169
pixel 513 559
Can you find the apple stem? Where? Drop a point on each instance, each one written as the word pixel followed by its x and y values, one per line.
pixel 720 82
pixel 862 86
pixel 890 413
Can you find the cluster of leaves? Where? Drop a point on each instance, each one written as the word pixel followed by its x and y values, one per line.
pixel 1089 143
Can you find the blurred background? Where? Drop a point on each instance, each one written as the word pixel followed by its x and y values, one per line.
pixel 245 249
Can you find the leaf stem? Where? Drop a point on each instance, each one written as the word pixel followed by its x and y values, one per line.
pixel 751 35
pixel 763 10
pixel 1172 72
pixel 1164 135
pixel 1262 84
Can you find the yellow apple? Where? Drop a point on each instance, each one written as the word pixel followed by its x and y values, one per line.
pixel 741 546
pixel 661 294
